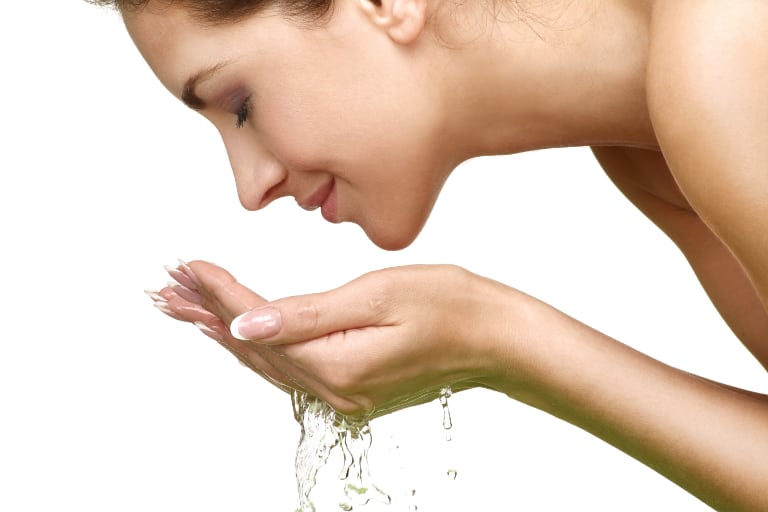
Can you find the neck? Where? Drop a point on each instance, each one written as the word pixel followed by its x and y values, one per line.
pixel 560 75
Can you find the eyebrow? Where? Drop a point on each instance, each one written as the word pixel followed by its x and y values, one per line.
pixel 189 95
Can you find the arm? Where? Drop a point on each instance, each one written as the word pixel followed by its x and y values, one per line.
pixel 710 439
pixel 644 178
pixel 707 87
pixel 707 84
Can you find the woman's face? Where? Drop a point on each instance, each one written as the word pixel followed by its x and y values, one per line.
pixel 339 116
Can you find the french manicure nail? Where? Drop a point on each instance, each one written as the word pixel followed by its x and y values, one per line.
pixel 181 277
pixel 154 295
pixel 256 324
pixel 208 331
pixel 186 293
pixel 163 306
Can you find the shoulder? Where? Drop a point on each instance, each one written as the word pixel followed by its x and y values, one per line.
pixel 707 87
pixel 708 68
pixel 707 59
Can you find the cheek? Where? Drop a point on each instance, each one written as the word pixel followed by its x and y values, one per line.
pixel 317 120
pixel 301 132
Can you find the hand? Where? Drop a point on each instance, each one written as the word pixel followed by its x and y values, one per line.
pixel 384 341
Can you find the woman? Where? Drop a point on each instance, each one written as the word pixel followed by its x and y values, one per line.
pixel 362 108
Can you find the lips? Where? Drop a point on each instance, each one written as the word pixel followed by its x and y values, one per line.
pixel 329 207
pixel 322 198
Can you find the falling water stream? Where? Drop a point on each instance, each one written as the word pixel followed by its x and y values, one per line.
pixel 323 430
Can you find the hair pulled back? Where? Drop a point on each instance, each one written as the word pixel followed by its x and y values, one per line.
pixel 230 11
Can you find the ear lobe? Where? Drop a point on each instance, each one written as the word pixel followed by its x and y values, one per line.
pixel 403 20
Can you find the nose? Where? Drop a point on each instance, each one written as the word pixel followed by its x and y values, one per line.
pixel 257 173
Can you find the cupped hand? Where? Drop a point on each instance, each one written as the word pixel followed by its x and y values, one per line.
pixel 389 339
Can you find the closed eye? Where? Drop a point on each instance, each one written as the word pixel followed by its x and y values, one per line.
pixel 243 113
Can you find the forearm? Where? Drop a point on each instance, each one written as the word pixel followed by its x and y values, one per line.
pixel 710 439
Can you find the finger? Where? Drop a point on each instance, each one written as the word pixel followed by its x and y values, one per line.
pixel 222 294
pixel 178 308
pixel 360 304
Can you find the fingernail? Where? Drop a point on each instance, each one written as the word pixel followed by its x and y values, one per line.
pixel 208 331
pixel 181 278
pixel 163 306
pixel 256 324
pixel 154 295
pixel 186 293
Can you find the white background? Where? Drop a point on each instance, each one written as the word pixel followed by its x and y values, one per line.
pixel 107 405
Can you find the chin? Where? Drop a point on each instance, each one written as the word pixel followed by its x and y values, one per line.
pixel 392 239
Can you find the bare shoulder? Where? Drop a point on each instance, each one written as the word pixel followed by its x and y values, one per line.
pixel 698 38
pixel 708 71
pixel 708 97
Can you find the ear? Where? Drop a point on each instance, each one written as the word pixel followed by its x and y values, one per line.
pixel 403 20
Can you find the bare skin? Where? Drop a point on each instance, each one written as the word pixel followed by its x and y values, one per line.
pixel 680 127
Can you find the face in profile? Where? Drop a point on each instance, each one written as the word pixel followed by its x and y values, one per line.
pixel 336 114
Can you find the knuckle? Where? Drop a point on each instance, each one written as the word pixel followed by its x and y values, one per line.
pixel 379 304
pixel 453 271
pixel 307 317
pixel 381 293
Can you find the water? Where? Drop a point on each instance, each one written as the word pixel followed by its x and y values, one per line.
pixel 445 394
pixel 412 507
pixel 323 430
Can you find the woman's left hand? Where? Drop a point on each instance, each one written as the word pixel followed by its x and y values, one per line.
pixel 387 340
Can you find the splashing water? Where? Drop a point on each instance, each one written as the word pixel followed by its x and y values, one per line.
pixel 322 430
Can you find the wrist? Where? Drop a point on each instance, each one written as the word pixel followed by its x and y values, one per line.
pixel 506 330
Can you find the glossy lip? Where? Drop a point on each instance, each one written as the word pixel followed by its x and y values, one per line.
pixel 329 208
pixel 318 197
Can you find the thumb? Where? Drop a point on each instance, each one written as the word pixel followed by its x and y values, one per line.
pixel 306 317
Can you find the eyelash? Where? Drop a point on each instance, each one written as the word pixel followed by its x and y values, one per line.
pixel 243 113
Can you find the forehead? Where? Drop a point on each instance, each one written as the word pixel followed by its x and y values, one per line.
pixel 162 35
pixel 176 45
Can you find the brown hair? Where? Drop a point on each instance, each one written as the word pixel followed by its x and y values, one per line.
pixel 230 11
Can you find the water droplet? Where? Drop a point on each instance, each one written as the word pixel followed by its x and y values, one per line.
pixel 445 394
pixel 410 495
pixel 346 507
